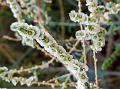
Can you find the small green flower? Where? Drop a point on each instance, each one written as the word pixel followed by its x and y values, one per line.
pixel 80 34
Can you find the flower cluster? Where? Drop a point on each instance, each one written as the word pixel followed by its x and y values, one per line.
pixel 78 17
pixel 15 8
pixel 92 30
pixel 5 75
pixel 29 9
pixel 50 45
pixel 27 32
pixel 30 34
pixel 112 10
pixel 24 9
pixel 29 81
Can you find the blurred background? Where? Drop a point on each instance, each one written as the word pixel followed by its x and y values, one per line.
pixel 14 55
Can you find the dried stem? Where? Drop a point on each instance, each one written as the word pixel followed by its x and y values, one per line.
pixel 11 38
pixel 95 66
pixel 45 83
pixel 36 67
pixel 84 52
pixel 51 80
pixel 74 47
pixel 79 6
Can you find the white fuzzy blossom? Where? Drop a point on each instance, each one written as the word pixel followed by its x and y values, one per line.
pixel 15 8
pixel 24 9
pixel 27 32
pixel 29 8
pixel 78 17
pixel 82 35
pixel 111 9
pixel 8 77
pixel 43 38
pixel 30 33
pixel 14 81
pixel 91 25
pixel 29 80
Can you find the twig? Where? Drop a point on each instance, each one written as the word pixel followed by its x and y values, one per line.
pixel 74 47
pixel 11 38
pixel 72 84
pixel 59 77
pixel 84 52
pixel 95 66
pixel 36 67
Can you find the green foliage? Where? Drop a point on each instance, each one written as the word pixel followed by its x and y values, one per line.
pixel 114 57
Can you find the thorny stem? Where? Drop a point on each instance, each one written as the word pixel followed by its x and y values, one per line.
pixel 95 66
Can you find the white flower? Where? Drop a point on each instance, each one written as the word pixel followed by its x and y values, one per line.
pixel 80 35
pixel 98 44
pixel 83 19
pixel 30 80
pixel 14 82
pixel 96 49
pixel 91 9
pixel 15 8
pixel 28 42
pixel 73 15
pixel 106 15
pixel 92 20
pixel 109 5
pixel 117 7
pixel 3 69
pixel 103 20
pixel 91 6
pixel 93 29
pixel 22 81
pixel 26 30
pixel 100 9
